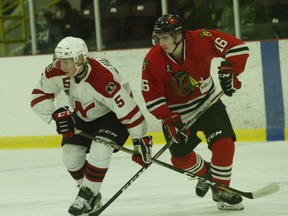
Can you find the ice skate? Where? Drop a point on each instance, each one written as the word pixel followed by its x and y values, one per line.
pixel 202 186
pixel 226 200
pixel 86 202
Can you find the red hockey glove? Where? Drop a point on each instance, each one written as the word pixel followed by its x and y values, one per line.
pixel 171 127
pixel 143 147
pixel 64 121
pixel 228 79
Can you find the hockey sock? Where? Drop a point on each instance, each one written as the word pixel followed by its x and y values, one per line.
pixel 222 160
pixel 97 166
pixel 192 162
pixel 78 175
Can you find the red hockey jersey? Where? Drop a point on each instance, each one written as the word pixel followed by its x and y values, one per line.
pixel 169 87
pixel 102 90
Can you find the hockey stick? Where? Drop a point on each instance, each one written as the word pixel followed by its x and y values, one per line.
pixel 262 192
pixel 111 144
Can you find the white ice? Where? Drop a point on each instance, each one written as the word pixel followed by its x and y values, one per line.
pixel 35 183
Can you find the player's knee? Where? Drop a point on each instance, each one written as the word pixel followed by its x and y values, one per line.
pixel 73 156
pixel 184 162
pixel 100 154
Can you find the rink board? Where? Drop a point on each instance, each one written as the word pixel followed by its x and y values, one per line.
pixel 257 110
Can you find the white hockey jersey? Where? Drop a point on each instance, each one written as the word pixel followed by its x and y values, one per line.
pixel 102 90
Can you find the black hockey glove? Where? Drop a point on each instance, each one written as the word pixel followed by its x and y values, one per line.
pixel 64 121
pixel 172 126
pixel 228 78
pixel 143 147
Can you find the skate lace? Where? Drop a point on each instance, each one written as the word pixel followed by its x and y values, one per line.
pixel 202 185
pixel 224 194
pixel 81 203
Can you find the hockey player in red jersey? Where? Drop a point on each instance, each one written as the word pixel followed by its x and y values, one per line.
pixel 176 84
pixel 102 105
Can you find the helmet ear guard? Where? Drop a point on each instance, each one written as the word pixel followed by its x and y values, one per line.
pixel 155 39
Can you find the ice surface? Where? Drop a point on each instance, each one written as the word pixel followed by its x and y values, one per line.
pixel 35 183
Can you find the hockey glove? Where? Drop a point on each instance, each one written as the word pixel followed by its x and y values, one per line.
pixel 228 78
pixel 64 121
pixel 172 125
pixel 143 147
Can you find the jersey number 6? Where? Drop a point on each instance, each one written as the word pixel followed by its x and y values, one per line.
pixel 145 85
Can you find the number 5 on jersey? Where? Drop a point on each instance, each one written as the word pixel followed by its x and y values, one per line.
pixel 119 101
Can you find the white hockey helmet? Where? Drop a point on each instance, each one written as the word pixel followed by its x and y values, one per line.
pixel 71 47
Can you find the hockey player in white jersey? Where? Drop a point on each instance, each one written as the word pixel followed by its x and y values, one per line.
pixel 101 104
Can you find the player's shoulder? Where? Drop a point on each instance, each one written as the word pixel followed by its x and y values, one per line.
pixel 155 58
pixel 201 35
pixel 52 72
pixel 208 35
pixel 101 69
pixel 102 77
pixel 154 53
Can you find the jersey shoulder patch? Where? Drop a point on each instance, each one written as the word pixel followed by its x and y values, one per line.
pixel 155 59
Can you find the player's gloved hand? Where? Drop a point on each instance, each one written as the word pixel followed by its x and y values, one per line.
pixel 172 125
pixel 143 147
pixel 228 78
pixel 64 121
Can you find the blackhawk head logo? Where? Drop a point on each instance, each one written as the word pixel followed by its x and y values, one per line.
pixel 182 83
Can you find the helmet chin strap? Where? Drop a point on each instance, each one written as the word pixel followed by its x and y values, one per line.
pixel 78 70
pixel 78 73
pixel 177 44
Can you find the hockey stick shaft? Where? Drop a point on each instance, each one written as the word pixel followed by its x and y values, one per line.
pixel 111 144
pixel 202 111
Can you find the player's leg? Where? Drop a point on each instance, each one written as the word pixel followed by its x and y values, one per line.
pixel 220 137
pixel 74 158
pixel 183 156
pixel 110 129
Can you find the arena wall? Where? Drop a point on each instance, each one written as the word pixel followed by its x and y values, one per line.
pixel 257 111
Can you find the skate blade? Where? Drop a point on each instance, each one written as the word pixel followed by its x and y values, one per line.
pixel 227 207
